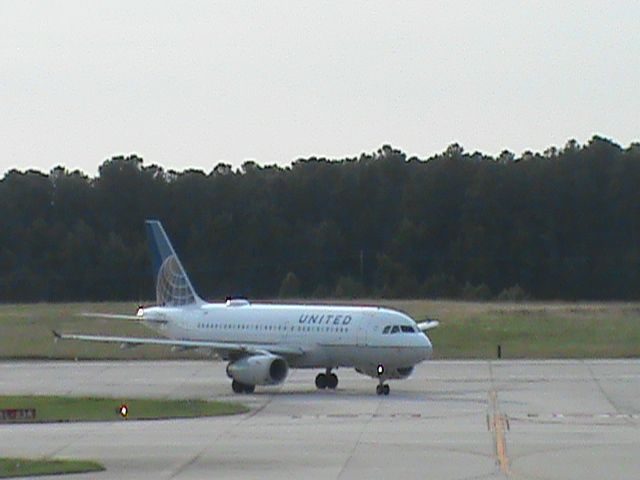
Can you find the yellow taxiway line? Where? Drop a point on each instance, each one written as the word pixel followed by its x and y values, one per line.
pixel 499 422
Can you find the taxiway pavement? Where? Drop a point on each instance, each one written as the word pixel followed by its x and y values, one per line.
pixel 538 420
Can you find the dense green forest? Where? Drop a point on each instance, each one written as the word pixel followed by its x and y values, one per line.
pixel 563 224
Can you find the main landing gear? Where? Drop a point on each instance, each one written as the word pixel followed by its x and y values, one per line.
pixel 327 380
pixel 238 387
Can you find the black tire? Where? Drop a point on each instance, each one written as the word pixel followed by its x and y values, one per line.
pixel 379 389
pixel 237 387
pixel 249 388
pixel 321 381
pixel 386 389
pixel 332 381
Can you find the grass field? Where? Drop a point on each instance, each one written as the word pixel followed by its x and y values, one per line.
pixel 531 330
pixel 23 467
pixel 79 409
pixel 467 330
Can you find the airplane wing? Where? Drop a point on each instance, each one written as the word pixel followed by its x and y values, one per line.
pixel 220 347
pixel 428 325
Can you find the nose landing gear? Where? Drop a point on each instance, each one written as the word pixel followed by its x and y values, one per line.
pixel 382 388
pixel 327 380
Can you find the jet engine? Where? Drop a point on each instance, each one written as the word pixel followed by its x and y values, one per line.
pixel 259 370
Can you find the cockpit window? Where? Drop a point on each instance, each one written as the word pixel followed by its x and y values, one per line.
pixel 407 329
pixel 386 329
pixel 395 329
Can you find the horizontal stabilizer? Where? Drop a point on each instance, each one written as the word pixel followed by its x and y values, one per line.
pixel 117 316
pixel 111 316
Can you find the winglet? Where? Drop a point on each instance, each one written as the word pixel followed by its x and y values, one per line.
pixel 56 335
pixel 428 324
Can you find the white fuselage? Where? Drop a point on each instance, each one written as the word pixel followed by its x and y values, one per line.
pixel 327 336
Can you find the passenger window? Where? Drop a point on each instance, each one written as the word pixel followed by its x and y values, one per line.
pixel 395 329
pixel 386 329
pixel 407 329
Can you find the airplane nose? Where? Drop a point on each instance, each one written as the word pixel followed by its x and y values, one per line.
pixel 428 348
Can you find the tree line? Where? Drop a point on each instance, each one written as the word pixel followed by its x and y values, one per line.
pixel 564 223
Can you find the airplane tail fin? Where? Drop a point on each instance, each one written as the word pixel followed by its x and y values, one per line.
pixel 173 287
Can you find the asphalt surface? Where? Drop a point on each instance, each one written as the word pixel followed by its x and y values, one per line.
pixel 537 420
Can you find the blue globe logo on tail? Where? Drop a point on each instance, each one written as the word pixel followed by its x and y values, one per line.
pixel 173 287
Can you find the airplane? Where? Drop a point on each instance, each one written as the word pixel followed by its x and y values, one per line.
pixel 262 341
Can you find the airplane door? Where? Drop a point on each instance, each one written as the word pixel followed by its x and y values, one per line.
pixel 363 326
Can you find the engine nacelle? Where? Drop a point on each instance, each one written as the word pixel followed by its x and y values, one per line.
pixel 259 370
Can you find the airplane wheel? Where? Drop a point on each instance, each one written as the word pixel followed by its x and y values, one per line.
pixel 386 389
pixel 321 381
pixel 249 388
pixel 332 381
pixel 237 387
pixel 379 389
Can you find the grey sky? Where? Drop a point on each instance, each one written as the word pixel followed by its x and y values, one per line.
pixel 190 84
